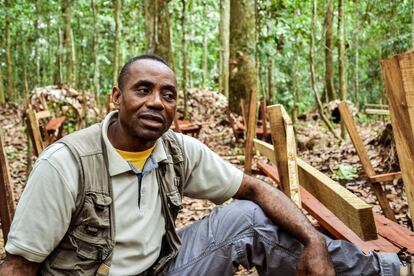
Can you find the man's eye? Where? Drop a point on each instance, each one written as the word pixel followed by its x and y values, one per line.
pixel 143 90
pixel 169 96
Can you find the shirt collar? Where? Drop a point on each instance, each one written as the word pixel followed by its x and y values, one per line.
pixel 116 163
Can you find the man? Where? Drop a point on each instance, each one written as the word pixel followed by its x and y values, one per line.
pixel 103 201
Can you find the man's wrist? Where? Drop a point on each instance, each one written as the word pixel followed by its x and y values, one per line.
pixel 314 238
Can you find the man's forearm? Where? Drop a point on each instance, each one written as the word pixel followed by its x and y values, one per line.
pixel 279 208
pixel 16 266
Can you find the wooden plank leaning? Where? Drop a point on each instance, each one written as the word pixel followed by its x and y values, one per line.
pixel 373 179
pixel 283 138
pixel 329 221
pixel 353 212
pixel 398 73
pixel 251 131
pixel 348 207
pixel 34 131
pixel 7 205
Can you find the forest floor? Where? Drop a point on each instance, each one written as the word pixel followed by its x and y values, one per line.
pixel 315 144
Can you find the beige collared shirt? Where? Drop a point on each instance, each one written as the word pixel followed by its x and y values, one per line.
pixel 48 201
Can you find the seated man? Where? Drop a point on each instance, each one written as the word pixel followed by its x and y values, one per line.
pixel 103 201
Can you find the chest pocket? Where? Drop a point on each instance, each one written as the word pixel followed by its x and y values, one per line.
pixel 94 224
pixel 91 236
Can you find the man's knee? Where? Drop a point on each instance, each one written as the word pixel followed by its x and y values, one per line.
pixel 242 212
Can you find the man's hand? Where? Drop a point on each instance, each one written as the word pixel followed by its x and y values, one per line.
pixel 315 260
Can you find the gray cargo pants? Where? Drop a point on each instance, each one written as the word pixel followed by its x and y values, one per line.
pixel 241 233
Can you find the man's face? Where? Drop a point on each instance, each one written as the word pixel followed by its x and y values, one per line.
pixel 148 100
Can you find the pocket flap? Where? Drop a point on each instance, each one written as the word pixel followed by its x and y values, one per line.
pixel 100 199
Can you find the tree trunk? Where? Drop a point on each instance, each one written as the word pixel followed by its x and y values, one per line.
pixel 296 90
pixel 58 76
pixel 2 96
pixel 328 30
pixel 269 80
pixel 412 26
pixel 205 60
pixel 158 29
pixel 341 54
pixel 242 52
pixel 312 72
pixel 356 68
pixel 224 46
pixel 67 35
pixel 95 43
pixel 184 61
pixel 36 47
pixel 9 60
pixel 115 68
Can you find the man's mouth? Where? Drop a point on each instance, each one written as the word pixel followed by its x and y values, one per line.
pixel 152 120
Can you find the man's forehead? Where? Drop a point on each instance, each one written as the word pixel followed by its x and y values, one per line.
pixel 150 66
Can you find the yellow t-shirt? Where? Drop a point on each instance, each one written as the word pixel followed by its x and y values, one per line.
pixel 137 159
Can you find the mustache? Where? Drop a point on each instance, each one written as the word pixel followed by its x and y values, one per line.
pixel 152 115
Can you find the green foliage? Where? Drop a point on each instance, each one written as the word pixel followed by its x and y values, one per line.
pixel 374 30
pixel 235 151
pixel 345 172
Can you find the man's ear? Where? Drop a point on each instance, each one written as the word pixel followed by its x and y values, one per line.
pixel 116 95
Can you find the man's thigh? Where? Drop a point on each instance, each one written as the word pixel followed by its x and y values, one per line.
pixel 229 236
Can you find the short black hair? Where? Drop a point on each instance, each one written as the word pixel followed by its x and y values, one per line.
pixel 125 69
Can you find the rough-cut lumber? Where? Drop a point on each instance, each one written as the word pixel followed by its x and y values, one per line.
pixel 398 74
pixel 52 130
pixel 186 127
pixel 350 209
pixel 56 124
pixel 356 139
pixel 328 220
pixel 372 111
pixel 386 177
pixel 34 131
pixel 395 233
pixel 265 149
pixel 346 117
pixel 376 106
pixel 251 132
pixel 7 205
pixel 354 212
pixel 283 138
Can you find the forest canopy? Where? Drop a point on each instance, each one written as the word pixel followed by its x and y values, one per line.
pixel 83 43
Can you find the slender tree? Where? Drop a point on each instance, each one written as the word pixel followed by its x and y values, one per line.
pixel 224 46
pixel 115 68
pixel 205 60
pixel 356 60
pixel 158 29
pixel 9 60
pixel 242 52
pixel 328 30
pixel 95 47
pixel 312 71
pixel 269 79
pixel 58 75
pixel 68 40
pixel 36 46
pixel 412 26
pixel 2 97
pixel 341 53
pixel 184 58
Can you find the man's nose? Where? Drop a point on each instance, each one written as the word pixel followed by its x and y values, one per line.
pixel 155 100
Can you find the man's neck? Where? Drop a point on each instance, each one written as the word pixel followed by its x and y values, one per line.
pixel 120 139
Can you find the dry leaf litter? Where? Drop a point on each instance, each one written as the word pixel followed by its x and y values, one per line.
pixel 315 144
